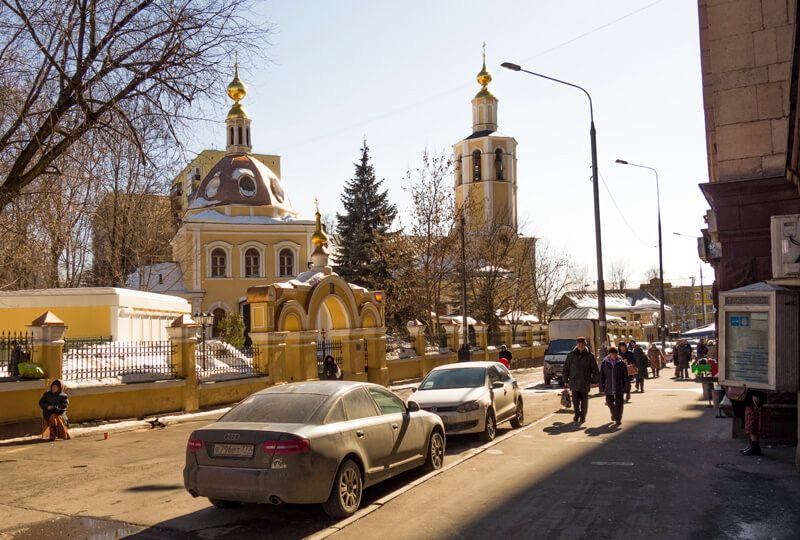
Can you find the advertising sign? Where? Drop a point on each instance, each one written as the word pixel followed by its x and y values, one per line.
pixel 747 347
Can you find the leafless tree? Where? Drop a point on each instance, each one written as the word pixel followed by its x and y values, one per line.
pixel 620 274
pixel 70 68
pixel 430 233
pixel 556 274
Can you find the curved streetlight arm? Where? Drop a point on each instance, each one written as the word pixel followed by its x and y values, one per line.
pixel 515 67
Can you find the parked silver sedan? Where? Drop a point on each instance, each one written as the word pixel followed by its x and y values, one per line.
pixel 471 397
pixel 311 442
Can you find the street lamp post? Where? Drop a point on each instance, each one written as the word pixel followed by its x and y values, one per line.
pixel 662 319
pixel 205 319
pixel 601 288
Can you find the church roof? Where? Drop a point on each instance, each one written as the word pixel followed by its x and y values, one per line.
pixel 240 179
pixel 484 133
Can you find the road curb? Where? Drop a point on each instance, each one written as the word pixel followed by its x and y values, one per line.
pixel 325 533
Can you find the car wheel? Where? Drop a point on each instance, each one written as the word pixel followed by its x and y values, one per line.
pixel 547 380
pixel 519 417
pixel 221 503
pixel 345 496
pixel 435 458
pixel 490 430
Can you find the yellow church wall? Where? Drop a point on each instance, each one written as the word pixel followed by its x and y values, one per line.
pixel 125 401
pixel 224 392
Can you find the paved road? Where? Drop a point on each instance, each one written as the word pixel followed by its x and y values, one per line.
pixel 131 484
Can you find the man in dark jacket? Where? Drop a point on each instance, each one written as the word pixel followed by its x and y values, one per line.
pixel 614 383
pixel 682 357
pixel 641 362
pixel 580 369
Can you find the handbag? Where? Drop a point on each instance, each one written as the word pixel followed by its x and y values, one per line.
pixel 566 400
pixel 736 393
pixel 632 369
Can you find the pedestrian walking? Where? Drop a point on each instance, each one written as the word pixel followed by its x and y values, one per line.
pixel 54 403
pixel 329 368
pixel 580 370
pixel 640 361
pixel 505 356
pixel 627 357
pixel 614 383
pixel 657 360
pixel 682 357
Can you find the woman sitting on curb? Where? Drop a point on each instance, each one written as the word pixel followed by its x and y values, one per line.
pixel 54 404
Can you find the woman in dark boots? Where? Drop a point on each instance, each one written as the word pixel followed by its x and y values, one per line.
pixel 756 422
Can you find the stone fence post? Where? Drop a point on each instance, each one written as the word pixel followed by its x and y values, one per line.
pixel 183 339
pixel 375 342
pixel 481 341
pixel 272 352
pixel 47 332
pixel 452 331
pixel 416 330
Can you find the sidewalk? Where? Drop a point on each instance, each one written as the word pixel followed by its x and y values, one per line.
pixel 670 471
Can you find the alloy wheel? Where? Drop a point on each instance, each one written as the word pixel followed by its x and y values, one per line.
pixel 350 489
pixel 437 450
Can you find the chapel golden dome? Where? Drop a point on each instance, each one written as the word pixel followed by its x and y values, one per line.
pixel 319 238
pixel 484 78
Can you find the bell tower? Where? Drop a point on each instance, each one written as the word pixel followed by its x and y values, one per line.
pixel 237 125
pixel 486 165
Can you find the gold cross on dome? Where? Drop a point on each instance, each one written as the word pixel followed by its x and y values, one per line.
pixel 484 50
pixel 316 203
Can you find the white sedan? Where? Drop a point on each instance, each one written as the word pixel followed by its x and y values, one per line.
pixel 471 397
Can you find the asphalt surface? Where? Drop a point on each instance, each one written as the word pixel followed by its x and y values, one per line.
pixel 131 485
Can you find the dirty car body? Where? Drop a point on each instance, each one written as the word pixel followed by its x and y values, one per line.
pixel 286 443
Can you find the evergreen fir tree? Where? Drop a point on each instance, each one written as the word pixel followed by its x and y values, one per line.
pixel 364 225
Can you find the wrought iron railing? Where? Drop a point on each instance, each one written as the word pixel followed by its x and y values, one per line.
pixel 94 359
pixel 71 343
pixel 15 348
pixel 217 357
pixel 495 339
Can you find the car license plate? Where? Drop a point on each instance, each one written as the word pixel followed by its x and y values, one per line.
pixel 233 450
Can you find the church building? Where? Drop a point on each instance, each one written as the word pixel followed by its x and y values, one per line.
pixel 236 225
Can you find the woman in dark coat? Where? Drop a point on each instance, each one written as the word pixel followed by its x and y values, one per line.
pixel 682 357
pixel 614 383
pixel 329 368
pixel 641 362
pixel 627 357
pixel 54 405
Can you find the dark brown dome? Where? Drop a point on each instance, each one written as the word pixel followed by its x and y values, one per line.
pixel 240 179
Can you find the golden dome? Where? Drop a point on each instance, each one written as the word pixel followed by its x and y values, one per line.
pixel 237 111
pixel 237 89
pixel 319 238
pixel 483 77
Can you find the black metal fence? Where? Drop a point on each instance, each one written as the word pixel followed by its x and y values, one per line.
pixel 327 347
pixel 95 359
pixel 366 355
pixel 15 348
pixel 217 357
pixel 88 341
pixel 520 338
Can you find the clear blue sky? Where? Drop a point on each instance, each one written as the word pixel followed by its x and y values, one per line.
pixel 402 74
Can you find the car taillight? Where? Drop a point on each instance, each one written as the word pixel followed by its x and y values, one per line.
pixel 194 445
pixel 286 447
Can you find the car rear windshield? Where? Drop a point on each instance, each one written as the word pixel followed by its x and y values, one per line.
pixel 275 408
pixel 561 346
pixel 454 378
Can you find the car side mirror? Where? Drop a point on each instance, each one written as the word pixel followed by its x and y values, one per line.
pixel 546 352
pixel 413 406
pixel 498 384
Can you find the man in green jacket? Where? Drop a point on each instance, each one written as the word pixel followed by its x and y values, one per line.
pixel 580 369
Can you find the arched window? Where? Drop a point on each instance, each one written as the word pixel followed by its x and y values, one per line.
pixel 285 263
pixel 498 164
pixel 240 135
pixel 218 263
pixel 231 137
pixel 459 178
pixel 476 166
pixel 251 263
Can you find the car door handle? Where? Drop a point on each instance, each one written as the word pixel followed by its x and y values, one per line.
pixel 394 426
pixel 360 433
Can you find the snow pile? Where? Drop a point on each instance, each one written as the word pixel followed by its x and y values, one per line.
pixel 219 361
